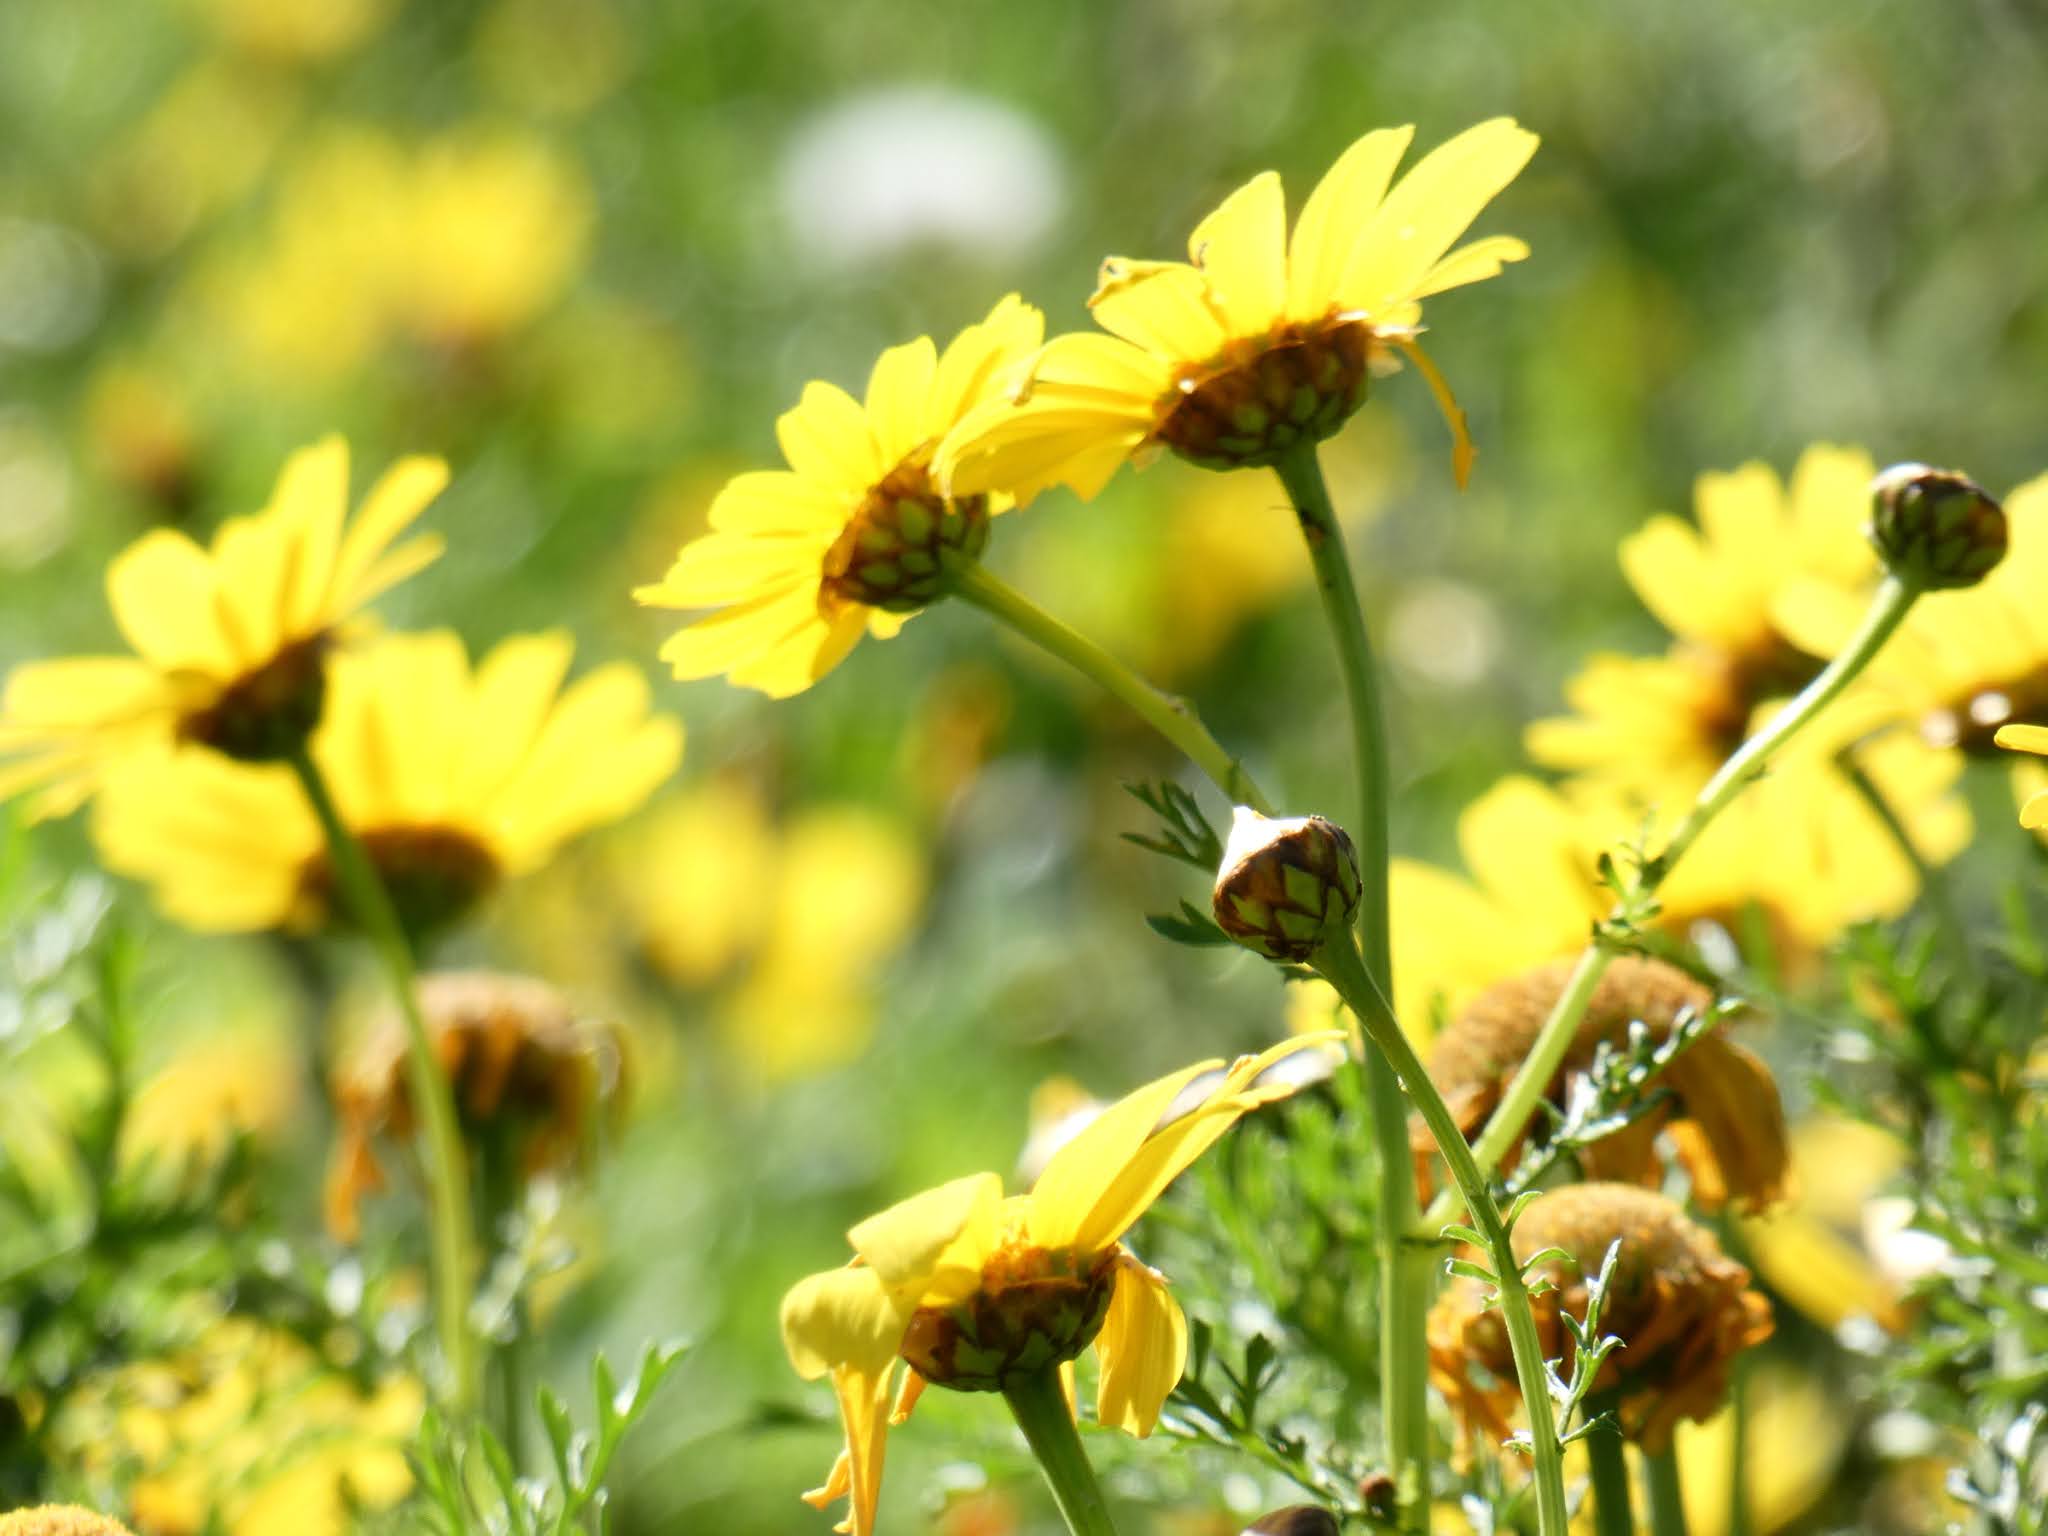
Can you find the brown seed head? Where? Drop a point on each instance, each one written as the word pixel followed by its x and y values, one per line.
pixel 1681 1307
pixel 528 1074
pixel 1285 885
pixel 1936 528
pixel 1723 1115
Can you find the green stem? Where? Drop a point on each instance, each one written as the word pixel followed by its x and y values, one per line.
pixel 1934 884
pixel 1888 607
pixel 1338 962
pixel 1667 1500
pixel 1739 1522
pixel 1173 718
pixel 499 1192
pixel 1607 1460
pixel 1405 1273
pixel 1040 1407
pixel 454 1243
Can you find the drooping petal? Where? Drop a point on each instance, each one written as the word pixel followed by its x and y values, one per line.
pixel 857 1474
pixel 1077 1176
pixel 1343 202
pixel 841 1318
pixel 1241 249
pixel 1143 1347
pixel 930 1247
pixel 1429 209
pixel 1447 405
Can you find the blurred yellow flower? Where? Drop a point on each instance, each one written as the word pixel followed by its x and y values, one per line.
pixel 1258 342
pixel 1792 1444
pixel 699 879
pixel 851 539
pixel 453 778
pixel 232 643
pixel 1813 1252
pixel 238 1082
pixel 295 30
pixel 1964 662
pixel 972 1289
pixel 2034 739
pixel 247 1428
pixel 453 244
pixel 59 1520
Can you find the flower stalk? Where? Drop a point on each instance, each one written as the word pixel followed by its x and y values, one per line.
pixel 1338 963
pixel 1607 1461
pixel 453 1238
pixel 1404 1270
pixel 1666 1497
pixel 1893 599
pixel 1039 1404
pixel 1173 718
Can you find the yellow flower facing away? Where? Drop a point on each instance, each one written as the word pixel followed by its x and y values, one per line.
pixel 453 777
pixel 1964 663
pixel 1260 341
pixel 855 535
pixel 232 643
pixel 2032 739
pixel 972 1290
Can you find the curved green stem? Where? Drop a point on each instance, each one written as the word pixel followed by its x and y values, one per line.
pixel 1338 963
pixel 1607 1460
pixel 1405 1272
pixel 1040 1408
pixel 1173 718
pixel 1888 608
pixel 454 1242
pixel 1667 1499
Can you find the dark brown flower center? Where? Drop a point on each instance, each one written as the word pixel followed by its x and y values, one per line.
pixel 266 714
pixel 1013 1328
pixel 1300 385
pixel 892 552
pixel 433 875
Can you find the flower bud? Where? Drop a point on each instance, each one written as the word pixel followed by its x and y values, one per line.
pixel 1935 527
pixel 1285 885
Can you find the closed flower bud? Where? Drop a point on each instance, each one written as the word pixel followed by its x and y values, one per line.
pixel 1935 527
pixel 1285 885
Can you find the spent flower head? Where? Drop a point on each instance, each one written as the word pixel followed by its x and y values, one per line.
pixel 1259 342
pixel 974 1291
pixel 232 642
pixel 856 535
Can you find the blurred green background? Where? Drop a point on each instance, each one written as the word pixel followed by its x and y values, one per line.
pixel 588 249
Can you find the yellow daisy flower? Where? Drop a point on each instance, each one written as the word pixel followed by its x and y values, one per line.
pixel 1659 726
pixel 451 777
pixel 231 643
pixel 1259 342
pixel 973 1290
pixel 855 535
pixel 2034 739
pixel 1965 662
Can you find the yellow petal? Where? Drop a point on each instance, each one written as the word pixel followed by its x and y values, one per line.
pixel 1168 312
pixel 1830 497
pixel 2034 814
pixel 899 396
pixel 1472 263
pixel 161 589
pixel 826 439
pixel 1742 513
pixel 730 567
pixel 738 634
pixel 1241 250
pixel 841 1318
pixel 394 503
pixel 1427 210
pixel 1143 1347
pixel 1674 576
pixel 1447 406
pixel 978 363
pixel 1079 1174
pixel 1343 202
pixel 2024 738
pixel 511 699
pixel 773 501
pixel 931 1246
pixel 805 656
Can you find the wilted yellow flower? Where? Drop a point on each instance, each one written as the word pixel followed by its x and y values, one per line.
pixel 1723 1115
pixel 973 1290
pixel 59 1520
pixel 451 778
pixel 1964 662
pixel 232 643
pixel 2034 739
pixel 855 535
pixel 529 1074
pixel 249 1428
pixel 1258 342
pixel 1682 1309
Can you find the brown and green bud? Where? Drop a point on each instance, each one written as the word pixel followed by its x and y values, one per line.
pixel 1299 388
pixel 1285 885
pixel 895 551
pixel 1935 528
pixel 1016 1326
